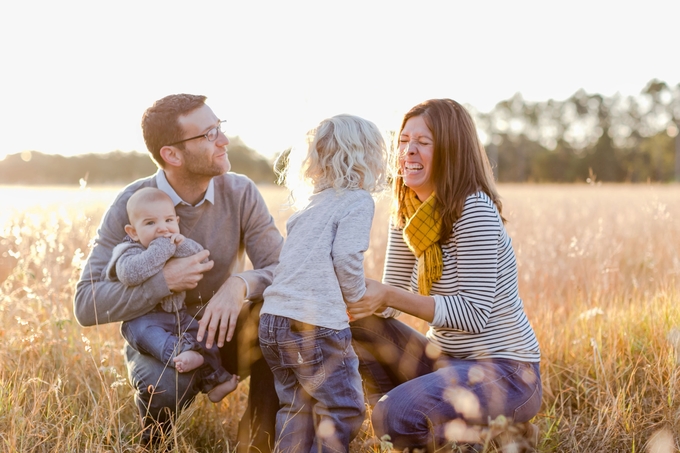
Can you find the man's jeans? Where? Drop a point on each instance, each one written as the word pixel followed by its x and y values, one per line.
pixel 318 384
pixel 165 335
pixel 161 392
pixel 416 394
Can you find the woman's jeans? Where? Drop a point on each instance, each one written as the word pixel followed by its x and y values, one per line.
pixel 318 384
pixel 161 392
pixel 165 335
pixel 418 392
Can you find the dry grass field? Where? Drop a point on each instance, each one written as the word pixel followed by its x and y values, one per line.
pixel 599 273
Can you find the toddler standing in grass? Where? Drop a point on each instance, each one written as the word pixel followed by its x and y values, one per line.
pixel 168 332
pixel 304 327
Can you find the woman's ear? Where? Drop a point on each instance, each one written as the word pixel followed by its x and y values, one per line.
pixel 130 230
pixel 171 155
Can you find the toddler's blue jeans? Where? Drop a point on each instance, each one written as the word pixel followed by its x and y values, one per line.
pixel 318 384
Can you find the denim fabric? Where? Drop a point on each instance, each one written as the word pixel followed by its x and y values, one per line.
pixel 416 396
pixel 157 333
pixel 161 392
pixel 318 384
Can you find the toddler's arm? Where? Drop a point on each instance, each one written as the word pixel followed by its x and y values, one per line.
pixel 351 241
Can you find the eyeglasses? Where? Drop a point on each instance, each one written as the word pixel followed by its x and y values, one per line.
pixel 211 135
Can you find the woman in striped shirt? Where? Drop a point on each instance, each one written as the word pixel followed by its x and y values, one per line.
pixel 449 262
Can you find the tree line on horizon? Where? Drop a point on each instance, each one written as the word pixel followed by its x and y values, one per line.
pixel 585 137
pixel 117 167
pixel 613 139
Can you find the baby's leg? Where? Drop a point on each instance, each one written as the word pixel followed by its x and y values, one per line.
pixel 156 334
pixel 188 361
pixel 219 392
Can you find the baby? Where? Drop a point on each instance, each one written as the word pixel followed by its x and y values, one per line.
pixel 167 332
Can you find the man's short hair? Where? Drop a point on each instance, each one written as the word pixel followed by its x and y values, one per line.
pixel 160 122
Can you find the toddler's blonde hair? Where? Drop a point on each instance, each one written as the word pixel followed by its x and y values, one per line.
pixel 342 152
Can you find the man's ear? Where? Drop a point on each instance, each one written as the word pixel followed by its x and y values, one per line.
pixel 171 156
pixel 130 230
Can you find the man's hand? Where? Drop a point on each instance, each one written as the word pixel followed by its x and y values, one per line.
pixel 222 312
pixel 182 274
pixel 371 302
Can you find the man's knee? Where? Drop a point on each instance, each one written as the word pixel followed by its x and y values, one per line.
pixel 160 390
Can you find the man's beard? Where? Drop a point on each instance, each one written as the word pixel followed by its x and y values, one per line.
pixel 200 165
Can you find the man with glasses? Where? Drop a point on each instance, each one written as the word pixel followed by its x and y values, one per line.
pixel 226 214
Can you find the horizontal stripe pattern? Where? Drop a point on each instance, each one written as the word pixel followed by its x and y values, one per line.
pixel 478 311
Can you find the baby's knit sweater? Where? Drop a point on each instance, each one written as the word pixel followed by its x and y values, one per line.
pixel 132 264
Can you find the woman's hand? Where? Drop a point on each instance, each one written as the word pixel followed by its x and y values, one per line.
pixel 380 296
pixel 373 301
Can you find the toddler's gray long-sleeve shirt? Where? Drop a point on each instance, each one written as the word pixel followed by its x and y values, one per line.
pixel 321 264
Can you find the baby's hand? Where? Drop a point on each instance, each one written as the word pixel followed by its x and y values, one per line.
pixel 177 238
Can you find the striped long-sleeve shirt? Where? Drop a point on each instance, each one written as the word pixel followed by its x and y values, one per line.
pixel 478 311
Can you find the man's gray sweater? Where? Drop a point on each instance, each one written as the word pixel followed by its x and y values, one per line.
pixel 238 223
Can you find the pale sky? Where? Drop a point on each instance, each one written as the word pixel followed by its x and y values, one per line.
pixel 76 76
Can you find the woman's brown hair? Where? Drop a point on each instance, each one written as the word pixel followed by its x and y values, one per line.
pixel 460 166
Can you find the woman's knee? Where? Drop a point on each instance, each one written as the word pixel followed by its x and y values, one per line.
pixel 379 419
pixel 398 417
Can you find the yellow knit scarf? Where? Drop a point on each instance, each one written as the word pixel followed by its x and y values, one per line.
pixel 421 234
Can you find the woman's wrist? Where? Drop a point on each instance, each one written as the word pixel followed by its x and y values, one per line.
pixel 388 297
pixel 407 302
